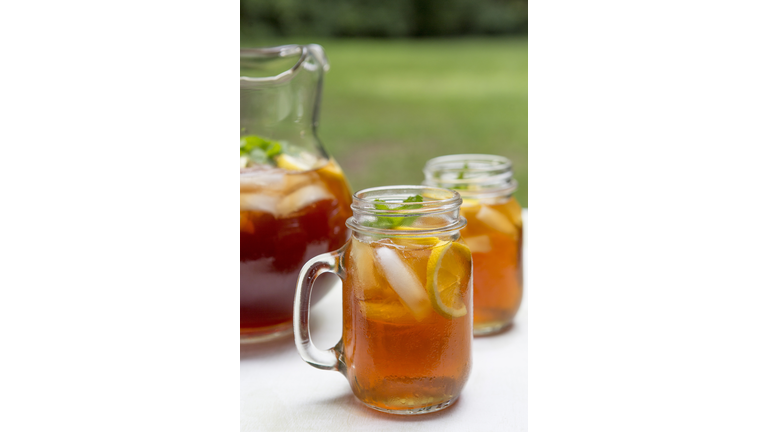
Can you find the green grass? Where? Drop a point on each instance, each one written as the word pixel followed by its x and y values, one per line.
pixel 390 105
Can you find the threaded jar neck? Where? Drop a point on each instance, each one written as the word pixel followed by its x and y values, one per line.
pixel 474 176
pixel 412 211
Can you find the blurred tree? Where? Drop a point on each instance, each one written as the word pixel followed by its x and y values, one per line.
pixel 375 18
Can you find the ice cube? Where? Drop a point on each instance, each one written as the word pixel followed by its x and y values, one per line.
pixel 259 202
pixel 294 181
pixel 496 220
pixel 479 244
pixel 405 283
pixel 301 198
pixel 361 257
pixel 258 179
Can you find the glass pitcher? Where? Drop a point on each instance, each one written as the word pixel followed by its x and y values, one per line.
pixel 294 198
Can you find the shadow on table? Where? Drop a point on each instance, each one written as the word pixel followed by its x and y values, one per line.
pixel 350 402
pixel 267 349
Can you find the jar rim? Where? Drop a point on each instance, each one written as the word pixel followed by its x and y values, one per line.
pixel 436 201
pixel 488 175
pixel 303 51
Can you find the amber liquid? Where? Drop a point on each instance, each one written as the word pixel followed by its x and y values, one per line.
pixel 394 360
pixel 496 253
pixel 274 247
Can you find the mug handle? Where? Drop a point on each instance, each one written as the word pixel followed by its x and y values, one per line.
pixel 329 359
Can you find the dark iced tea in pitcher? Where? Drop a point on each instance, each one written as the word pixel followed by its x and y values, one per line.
pixel 287 215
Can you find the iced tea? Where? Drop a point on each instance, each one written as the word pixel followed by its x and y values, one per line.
pixel 404 348
pixel 287 215
pixel 406 344
pixel 493 232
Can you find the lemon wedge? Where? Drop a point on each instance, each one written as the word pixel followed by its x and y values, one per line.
pixel 414 241
pixel 469 202
pixel 424 242
pixel 406 228
pixel 517 213
pixel 448 270
pixel 333 168
pixel 288 162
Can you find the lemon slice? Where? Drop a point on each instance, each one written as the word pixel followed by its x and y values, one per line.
pixel 437 195
pixel 407 228
pixel 425 242
pixel 333 168
pixel 291 163
pixel 448 270
pixel 517 213
pixel 469 202
pixel 414 241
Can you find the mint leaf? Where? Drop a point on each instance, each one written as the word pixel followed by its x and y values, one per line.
pixel 259 150
pixel 461 176
pixel 390 222
pixel 273 149
pixel 380 206
pixel 410 199
pixel 258 156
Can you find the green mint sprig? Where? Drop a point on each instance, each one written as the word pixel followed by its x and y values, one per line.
pixel 392 222
pixel 461 177
pixel 259 150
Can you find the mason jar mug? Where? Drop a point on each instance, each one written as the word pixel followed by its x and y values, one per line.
pixel 407 300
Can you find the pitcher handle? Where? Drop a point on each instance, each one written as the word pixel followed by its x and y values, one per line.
pixel 322 359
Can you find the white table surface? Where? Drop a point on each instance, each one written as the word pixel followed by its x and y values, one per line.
pixel 280 392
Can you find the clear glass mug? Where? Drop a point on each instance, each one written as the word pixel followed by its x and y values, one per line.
pixel 494 232
pixel 406 345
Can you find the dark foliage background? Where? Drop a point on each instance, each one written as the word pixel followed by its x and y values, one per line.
pixel 382 19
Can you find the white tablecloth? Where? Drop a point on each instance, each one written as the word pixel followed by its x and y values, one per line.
pixel 280 392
